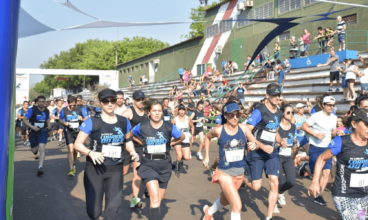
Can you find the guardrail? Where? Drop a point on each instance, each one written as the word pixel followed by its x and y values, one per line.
pixel 163 80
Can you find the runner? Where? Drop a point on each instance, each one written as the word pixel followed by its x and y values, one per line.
pixel 58 128
pixel 321 126
pixel 232 138
pixel 136 115
pixel 120 107
pixel 167 110
pixel 103 174
pixel 71 118
pixel 156 166
pixel 23 127
pixel 182 122
pixel 51 107
pixel 264 121
pixel 37 119
pixel 79 101
pixel 198 119
pixel 288 145
pixel 349 192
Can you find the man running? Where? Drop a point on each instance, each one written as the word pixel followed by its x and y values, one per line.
pixel 136 115
pixel 37 119
pixel 321 126
pixel 58 128
pixel 23 127
pixel 51 107
pixel 71 118
pixel 167 110
pixel 263 123
pixel 120 107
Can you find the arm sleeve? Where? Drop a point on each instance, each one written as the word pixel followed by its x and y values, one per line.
pixel 19 112
pixel 137 130
pixel 255 118
pixel 335 145
pixel 128 127
pixel 334 112
pixel 61 115
pixel 29 113
pixel 53 111
pixel 175 132
pixel 84 112
pixel 86 126
pixel 219 120
pixel 313 111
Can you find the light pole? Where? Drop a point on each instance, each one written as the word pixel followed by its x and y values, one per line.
pixel 116 55
pixel 205 3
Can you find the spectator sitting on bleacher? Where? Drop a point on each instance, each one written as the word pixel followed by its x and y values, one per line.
pixel 204 86
pixel 211 88
pixel 206 108
pixel 202 97
pixel 206 74
pixel 276 50
pixel 191 106
pixel 227 69
pixel 197 91
pixel 217 78
pixel 287 66
pixel 144 81
pixel 173 90
pixel 235 66
pixel 223 63
pixel 231 70
pixel 247 63
pixel 223 86
pixel 132 83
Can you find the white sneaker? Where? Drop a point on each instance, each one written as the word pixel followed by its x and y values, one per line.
pixel 199 155
pixel 276 210
pixel 190 156
pixel 281 199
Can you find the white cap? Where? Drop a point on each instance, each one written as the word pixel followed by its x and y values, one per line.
pixel 300 105
pixel 329 99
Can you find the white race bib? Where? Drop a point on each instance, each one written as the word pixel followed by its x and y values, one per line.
pixel 166 118
pixel 199 124
pixel 268 136
pixel 111 151
pixel 359 180
pixel 285 152
pixel 187 137
pixel 73 125
pixel 234 155
pixel 154 149
pixel 40 125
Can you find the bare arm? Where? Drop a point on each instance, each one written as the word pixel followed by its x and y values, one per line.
pixel 178 140
pixel 96 157
pixel 128 113
pixel 248 134
pixel 215 132
pixel 19 116
pixel 26 122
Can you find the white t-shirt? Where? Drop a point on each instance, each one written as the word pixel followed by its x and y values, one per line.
pixel 364 79
pixel 321 123
pixel 349 73
pixel 120 110
pixel 235 65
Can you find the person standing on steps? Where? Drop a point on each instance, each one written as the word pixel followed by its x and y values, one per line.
pixel 136 115
pixel 103 173
pixel 156 166
pixel 183 122
pixel 37 119
pixel 71 118
pixel 263 123
pixel 333 61
pixel 198 119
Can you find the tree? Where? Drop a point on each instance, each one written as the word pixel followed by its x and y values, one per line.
pixel 197 28
pixel 94 55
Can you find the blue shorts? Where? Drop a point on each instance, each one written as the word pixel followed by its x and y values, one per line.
pixel 303 140
pixel 38 138
pixel 314 153
pixel 256 165
pixel 341 38
pixel 344 84
pixel 364 86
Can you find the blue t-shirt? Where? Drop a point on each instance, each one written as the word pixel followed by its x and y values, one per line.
pixel 281 76
pixel 223 64
pixel 181 71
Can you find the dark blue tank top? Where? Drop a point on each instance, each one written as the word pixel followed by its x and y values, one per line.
pixel 232 147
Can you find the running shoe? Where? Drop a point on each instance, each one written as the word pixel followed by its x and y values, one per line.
pixel 59 144
pixel 320 200
pixel 206 215
pixel 146 194
pixel 281 199
pixel 74 170
pixel 329 90
pixel 25 144
pixel 28 143
pixel 199 155
pixel 177 174
pixel 276 210
pixel 337 90
pixel 40 171
pixel 71 173
pixel 190 156
pixel 302 169
pixel 78 155
pixel 36 157
pixel 135 202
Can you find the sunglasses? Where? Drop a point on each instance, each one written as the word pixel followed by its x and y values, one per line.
pixel 232 115
pixel 139 100
pixel 289 112
pixel 107 101
pixel 72 105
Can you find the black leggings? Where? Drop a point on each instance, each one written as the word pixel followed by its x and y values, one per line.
pixel 100 180
pixel 287 167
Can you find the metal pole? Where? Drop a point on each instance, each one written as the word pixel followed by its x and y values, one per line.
pixel 116 55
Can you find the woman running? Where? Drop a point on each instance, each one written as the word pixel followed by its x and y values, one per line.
pixel 349 193
pixel 103 174
pixel 182 149
pixel 232 138
pixel 286 140
pixel 198 118
pixel 156 166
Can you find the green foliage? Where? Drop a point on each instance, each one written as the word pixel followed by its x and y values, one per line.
pixel 197 14
pixel 94 55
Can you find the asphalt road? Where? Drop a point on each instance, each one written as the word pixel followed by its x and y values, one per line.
pixel 57 196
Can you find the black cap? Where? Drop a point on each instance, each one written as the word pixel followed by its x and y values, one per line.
pixel 106 93
pixel 138 95
pixel 181 107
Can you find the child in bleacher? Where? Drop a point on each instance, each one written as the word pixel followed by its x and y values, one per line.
pixel 329 36
pixel 202 97
pixel 321 40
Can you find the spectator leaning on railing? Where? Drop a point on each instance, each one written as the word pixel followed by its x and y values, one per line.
pixel 306 38
pixel 276 50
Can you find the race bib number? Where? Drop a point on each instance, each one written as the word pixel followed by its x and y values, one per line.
pixel 40 125
pixel 359 180
pixel 268 136
pixel 166 118
pixel 111 151
pixel 73 125
pixel 285 152
pixel 187 137
pixel 155 149
pixel 199 124
pixel 234 155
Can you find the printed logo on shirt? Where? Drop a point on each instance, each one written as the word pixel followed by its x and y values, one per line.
pixel 234 145
pixel 154 141
pixel 73 117
pixel 332 143
pixel 118 130
pixel 107 138
pixel 366 151
pixel 272 125
pixel 291 139
pixel 41 117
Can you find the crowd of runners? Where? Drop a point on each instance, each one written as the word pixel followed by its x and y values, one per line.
pixel 271 141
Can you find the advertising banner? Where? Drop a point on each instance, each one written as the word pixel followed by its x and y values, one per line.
pixel 22 88
pixel 112 81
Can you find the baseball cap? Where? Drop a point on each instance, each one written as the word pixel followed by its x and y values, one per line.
pixel 328 99
pixel 300 105
pixel 106 93
pixel 138 95
pixel 362 116
pixel 231 107
pixel 181 107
